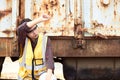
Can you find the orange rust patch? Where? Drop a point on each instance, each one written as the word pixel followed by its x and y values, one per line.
pixel 5 13
pixel 6 31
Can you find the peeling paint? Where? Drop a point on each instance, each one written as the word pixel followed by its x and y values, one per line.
pixel 105 3
pixel 7 31
pixel 5 13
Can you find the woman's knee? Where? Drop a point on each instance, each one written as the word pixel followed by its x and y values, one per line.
pixel 43 77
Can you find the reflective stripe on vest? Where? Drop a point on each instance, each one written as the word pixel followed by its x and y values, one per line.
pixel 26 65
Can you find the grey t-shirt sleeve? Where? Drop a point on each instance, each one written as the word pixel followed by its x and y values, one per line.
pixel 49 56
pixel 22 30
pixel 22 34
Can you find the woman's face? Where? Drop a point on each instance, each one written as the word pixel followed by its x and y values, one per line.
pixel 33 34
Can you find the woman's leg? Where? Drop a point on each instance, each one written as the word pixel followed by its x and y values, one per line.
pixel 1 64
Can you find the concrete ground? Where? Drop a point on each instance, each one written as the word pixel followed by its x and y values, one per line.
pixel 10 70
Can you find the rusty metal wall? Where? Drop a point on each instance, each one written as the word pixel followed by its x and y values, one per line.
pixel 69 16
pixel 8 19
pixel 64 47
pixel 61 11
pixel 102 16
pixel 5 18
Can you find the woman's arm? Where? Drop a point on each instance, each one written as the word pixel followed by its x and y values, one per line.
pixel 49 60
pixel 42 18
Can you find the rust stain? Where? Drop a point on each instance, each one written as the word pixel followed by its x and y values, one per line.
pixel 6 31
pixel 8 1
pixel 49 6
pixel 35 13
pixel 54 3
pixel 21 9
pixel 53 9
pixel 78 29
pixel 46 6
pixel 115 13
pixel 101 30
pixel 96 24
pixel 115 9
pixel 105 3
pixel 63 5
pixel 5 13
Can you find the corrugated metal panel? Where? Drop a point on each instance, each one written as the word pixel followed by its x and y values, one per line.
pixel 102 17
pixel 8 22
pixel 70 16
pixel 5 18
pixel 8 17
pixel 61 11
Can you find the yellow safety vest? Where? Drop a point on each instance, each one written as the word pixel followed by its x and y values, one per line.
pixel 28 54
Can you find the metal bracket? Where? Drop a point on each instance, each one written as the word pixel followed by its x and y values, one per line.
pixel 78 43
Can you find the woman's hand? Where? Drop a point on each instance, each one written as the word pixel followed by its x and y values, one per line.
pixel 49 74
pixel 43 17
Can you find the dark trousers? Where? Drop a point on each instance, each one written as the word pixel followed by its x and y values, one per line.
pixel 1 63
